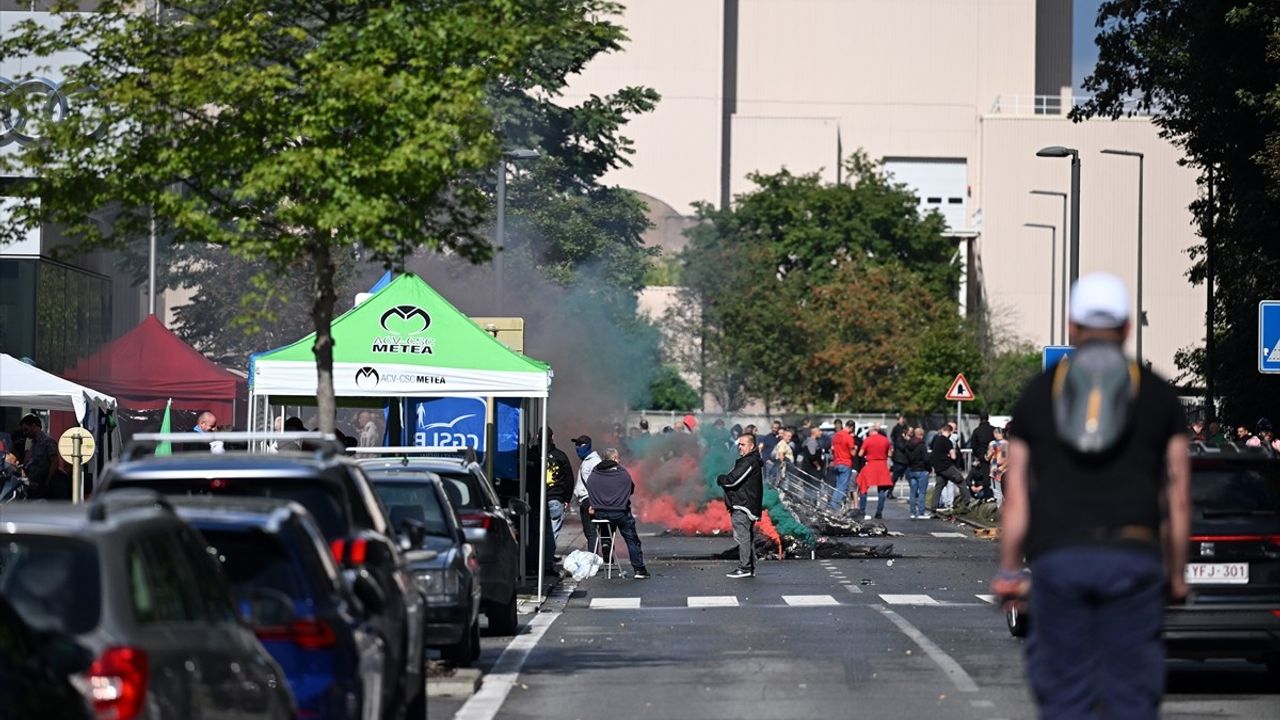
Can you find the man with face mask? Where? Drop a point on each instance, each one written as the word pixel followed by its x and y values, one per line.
pixel 590 458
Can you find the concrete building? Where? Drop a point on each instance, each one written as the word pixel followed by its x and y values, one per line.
pixel 955 96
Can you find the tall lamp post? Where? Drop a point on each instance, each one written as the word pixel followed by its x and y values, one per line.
pixel 1062 317
pixel 1142 315
pixel 1053 269
pixel 500 230
pixel 1058 151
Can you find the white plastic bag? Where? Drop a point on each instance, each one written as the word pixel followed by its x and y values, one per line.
pixel 582 564
pixel 948 496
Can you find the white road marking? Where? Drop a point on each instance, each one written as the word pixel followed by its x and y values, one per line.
pixel 987 598
pixel 713 601
pixel 809 600
pixel 949 666
pixel 853 589
pixel 486 703
pixel 909 600
pixel 948 534
pixel 983 703
pixel 623 603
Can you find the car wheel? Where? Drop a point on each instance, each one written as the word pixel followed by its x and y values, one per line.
pixel 460 654
pixel 1017 620
pixel 503 620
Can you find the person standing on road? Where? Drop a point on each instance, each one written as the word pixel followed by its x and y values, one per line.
pixel 744 494
pixel 942 455
pixel 842 461
pixel 1096 497
pixel 900 435
pixel 609 491
pixel 40 458
pixel 979 443
pixel 917 459
pixel 560 483
pixel 590 458
pixel 876 449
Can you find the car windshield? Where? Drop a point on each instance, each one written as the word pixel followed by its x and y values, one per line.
pixel 322 499
pixel 416 501
pixel 1247 489
pixel 462 488
pixel 258 566
pixel 53 583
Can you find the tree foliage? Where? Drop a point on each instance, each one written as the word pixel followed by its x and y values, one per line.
pixel 288 132
pixel 668 391
pixel 1210 72
pixel 806 293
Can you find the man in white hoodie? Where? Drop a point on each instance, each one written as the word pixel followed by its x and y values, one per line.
pixel 590 459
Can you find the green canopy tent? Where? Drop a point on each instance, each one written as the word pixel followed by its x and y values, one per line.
pixel 404 341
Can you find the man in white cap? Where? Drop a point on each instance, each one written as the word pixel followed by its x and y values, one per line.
pixel 1098 446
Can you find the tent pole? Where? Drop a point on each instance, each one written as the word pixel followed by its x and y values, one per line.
pixel 542 511
pixel 522 482
pixel 490 434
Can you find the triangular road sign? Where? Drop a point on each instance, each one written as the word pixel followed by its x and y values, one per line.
pixel 960 390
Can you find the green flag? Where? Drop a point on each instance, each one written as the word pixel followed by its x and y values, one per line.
pixel 165 448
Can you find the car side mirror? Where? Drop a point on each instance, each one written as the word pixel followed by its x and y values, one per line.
pixel 519 506
pixel 64 656
pixel 415 531
pixel 368 593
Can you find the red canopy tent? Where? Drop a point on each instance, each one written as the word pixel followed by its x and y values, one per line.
pixel 149 365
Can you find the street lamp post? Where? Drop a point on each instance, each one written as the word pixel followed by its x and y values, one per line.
pixel 1053 269
pixel 1062 317
pixel 500 229
pixel 1142 316
pixel 1058 151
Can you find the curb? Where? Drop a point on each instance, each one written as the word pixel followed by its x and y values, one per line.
pixel 462 683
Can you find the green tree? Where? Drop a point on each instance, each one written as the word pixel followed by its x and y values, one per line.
pixel 1210 72
pixel 285 131
pixel 1006 375
pixel 669 391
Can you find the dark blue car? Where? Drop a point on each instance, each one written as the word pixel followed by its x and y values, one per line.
pixel 309 617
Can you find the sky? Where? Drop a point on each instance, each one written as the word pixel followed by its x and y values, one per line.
pixel 1083 52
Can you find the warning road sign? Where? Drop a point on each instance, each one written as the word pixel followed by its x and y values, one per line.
pixel 960 390
pixel 1269 336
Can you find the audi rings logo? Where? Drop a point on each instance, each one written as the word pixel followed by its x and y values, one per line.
pixel 367 378
pixel 405 320
pixel 27 106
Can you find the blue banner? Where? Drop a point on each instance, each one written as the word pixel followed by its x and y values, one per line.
pixel 459 422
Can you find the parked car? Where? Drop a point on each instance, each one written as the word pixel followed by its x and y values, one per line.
pixel 486 525
pixel 315 622
pixel 341 500
pixel 1233 564
pixel 450 580
pixel 134 584
pixel 36 669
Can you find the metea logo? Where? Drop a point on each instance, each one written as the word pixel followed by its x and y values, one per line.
pixel 367 377
pixel 411 320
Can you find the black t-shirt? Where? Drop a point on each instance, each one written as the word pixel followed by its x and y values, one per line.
pixel 1079 499
pixel 940 453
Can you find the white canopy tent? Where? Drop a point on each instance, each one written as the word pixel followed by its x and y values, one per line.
pixel 27 386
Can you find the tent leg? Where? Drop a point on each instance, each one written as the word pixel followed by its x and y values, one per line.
pixel 521 483
pixel 542 511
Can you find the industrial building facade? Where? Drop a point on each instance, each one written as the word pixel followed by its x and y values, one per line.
pixel 954 96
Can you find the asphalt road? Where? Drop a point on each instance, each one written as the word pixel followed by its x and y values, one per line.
pixel 909 638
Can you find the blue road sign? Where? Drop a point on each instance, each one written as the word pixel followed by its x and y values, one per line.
pixel 1269 336
pixel 1053 353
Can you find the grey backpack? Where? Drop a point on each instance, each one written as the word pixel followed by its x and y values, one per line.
pixel 1093 397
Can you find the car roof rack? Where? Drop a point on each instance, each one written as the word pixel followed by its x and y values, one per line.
pixel 468 455
pixel 324 444
pixel 126 498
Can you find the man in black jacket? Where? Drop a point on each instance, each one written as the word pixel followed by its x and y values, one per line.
pixel 979 441
pixel 744 494
pixel 609 492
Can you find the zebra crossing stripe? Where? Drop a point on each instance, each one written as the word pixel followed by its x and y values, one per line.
pixel 703 601
pixel 809 600
pixel 948 534
pixel 987 598
pixel 909 600
pixel 622 603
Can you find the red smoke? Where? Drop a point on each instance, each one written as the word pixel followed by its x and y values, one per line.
pixel 688 519
pixel 766 527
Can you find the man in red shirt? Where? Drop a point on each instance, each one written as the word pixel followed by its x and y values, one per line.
pixel 842 461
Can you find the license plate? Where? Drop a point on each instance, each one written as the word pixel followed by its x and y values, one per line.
pixel 1217 573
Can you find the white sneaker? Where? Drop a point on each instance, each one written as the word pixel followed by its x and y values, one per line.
pixel 913 516
pixel 925 516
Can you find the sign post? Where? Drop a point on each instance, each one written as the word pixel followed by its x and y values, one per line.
pixel 1269 336
pixel 76 446
pixel 961 392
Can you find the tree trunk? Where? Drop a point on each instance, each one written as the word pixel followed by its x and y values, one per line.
pixel 322 302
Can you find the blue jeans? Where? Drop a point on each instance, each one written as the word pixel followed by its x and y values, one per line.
pixel 626 525
pixel 1097 642
pixel 844 474
pixel 918 485
pixel 556 508
pixel 881 491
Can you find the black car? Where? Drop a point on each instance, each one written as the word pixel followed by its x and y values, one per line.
pixel 135 585
pixel 486 524
pixel 314 622
pixel 1233 566
pixel 450 580
pixel 36 670
pixel 340 499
